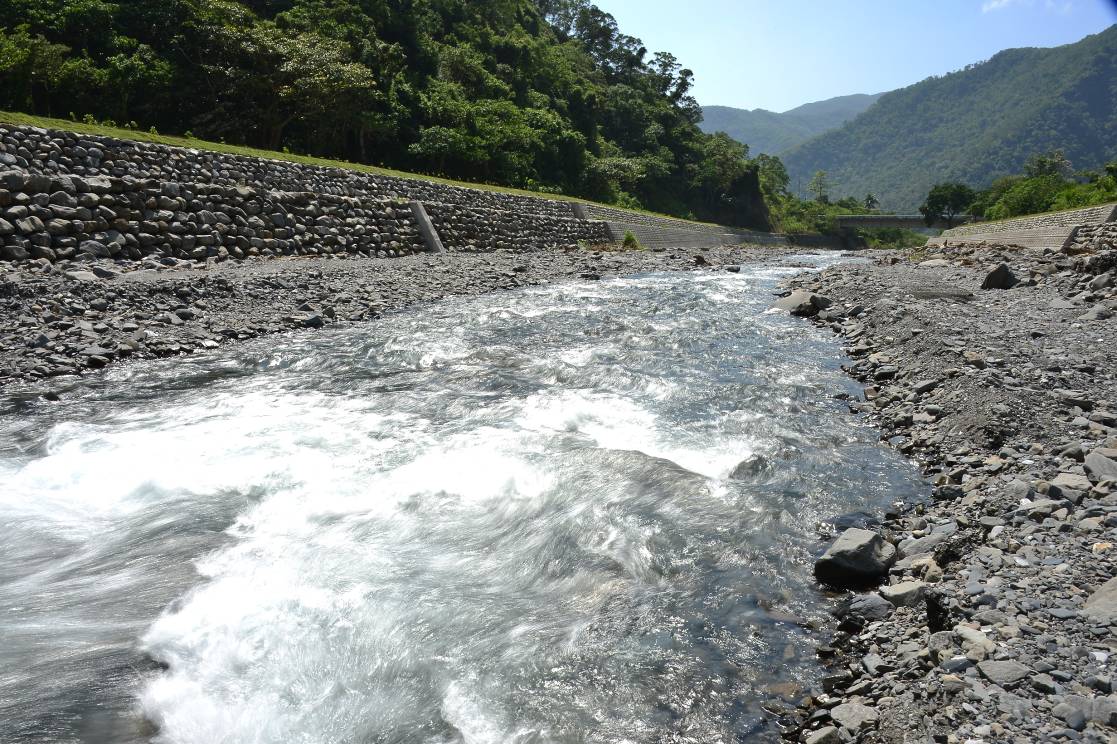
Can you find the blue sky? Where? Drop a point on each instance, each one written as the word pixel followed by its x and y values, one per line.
pixel 783 53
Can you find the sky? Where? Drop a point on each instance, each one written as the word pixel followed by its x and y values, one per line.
pixel 779 54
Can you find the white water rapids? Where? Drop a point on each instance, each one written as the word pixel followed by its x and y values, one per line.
pixel 508 518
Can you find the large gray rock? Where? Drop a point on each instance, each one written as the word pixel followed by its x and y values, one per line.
pixel 1102 604
pixel 826 735
pixel 1000 278
pixel 854 716
pixel 1100 468
pixel 857 558
pixel 869 606
pixel 1003 673
pixel 802 303
pixel 904 594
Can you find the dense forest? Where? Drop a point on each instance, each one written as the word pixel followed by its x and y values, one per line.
pixel 975 125
pixel 544 94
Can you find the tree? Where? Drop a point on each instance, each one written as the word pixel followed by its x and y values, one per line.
pixel 945 202
pixel 1052 163
pixel 871 201
pixel 820 186
pixel 774 178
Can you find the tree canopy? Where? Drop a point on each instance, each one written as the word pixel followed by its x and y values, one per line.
pixel 946 201
pixel 542 94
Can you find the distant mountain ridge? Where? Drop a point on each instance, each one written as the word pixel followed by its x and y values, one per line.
pixel 974 125
pixel 772 133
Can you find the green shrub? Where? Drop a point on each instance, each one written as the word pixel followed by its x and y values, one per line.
pixel 630 242
pixel 892 237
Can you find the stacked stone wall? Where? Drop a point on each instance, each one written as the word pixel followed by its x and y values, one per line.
pixel 64 217
pixel 66 195
pixel 1069 218
pixel 1093 238
pixel 480 229
pixel 54 152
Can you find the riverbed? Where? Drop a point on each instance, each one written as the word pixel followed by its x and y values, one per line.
pixel 578 512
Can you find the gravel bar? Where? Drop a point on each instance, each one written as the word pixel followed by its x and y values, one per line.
pixel 994 368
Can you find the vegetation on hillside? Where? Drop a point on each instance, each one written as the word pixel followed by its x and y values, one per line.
pixel 976 125
pixel 771 133
pixel 1048 184
pixel 548 95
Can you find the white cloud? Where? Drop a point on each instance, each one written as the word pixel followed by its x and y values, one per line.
pixel 1052 6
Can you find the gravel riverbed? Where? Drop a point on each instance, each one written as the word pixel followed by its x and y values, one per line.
pixel 73 317
pixel 995 620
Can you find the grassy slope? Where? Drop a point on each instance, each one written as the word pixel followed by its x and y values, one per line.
pixel 17 119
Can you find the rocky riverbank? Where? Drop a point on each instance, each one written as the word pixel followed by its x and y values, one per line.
pixel 70 318
pixel 995 369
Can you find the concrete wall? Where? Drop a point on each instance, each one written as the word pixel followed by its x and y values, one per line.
pixel 665 232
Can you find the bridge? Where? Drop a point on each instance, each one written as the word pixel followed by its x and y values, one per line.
pixel 906 221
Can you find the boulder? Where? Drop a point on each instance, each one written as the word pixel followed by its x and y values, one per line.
pixel 81 276
pixel 854 716
pixel 825 735
pixel 904 594
pixel 867 606
pixel 1000 278
pixel 750 468
pixel 802 303
pixel 1101 607
pixel 857 558
pixel 1100 468
pixel 1003 673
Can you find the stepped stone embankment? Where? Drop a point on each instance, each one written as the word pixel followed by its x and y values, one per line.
pixel 62 190
pixel 67 197
pixel 659 232
pixel 995 370
pixel 1055 230
pixel 56 152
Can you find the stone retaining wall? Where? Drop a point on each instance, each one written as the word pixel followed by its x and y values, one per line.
pixel 65 195
pixel 1093 238
pixel 1055 231
pixel 666 232
pixel 107 217
pixel 481 229
pixel 1066 219
pixel 63 217
pixel 53 152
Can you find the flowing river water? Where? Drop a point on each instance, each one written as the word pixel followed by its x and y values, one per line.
pixel 516 517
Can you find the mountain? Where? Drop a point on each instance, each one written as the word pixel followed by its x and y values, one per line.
pixel 974 125
pixel 772 133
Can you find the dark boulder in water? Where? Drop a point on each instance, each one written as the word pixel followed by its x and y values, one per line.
pixel 857 558
pixel 750 468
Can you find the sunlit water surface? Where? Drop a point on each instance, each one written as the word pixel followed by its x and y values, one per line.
pixel 508 518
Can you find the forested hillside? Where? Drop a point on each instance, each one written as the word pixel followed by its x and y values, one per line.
pixel 975 125
pixel 771 133
pixel 543 94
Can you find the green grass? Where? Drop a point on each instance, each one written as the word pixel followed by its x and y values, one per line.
pixel 27 120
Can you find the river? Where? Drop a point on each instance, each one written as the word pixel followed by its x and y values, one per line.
pixel 510 518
